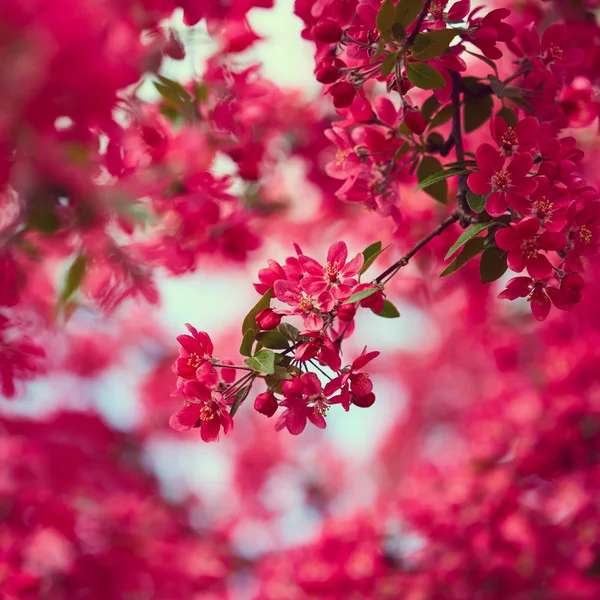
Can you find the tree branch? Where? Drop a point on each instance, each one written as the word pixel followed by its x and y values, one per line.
pixel 413 34
pixel 391 271
pixel 466 217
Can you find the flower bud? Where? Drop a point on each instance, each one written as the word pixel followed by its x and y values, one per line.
pixel 414 121
pixel 343 94
pixel 329 74
pixel 327 31
pixel 346 312
pixel 268 319
pixel 266 404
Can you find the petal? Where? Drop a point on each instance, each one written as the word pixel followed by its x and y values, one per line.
pixel 287 292
pixel 516 261
pixel 508 239
pixel 209 430
pixel 296 421
pixel 552 241
pixel 524 187
pixel 527 130
pixel 528 227
pixel 312 385
pixel 488 159
pixel 186 418
pixel 353 267
pixel 519 203
pixel 539 267
pixel 495 205
pixel 498 127
pixel 337 253
pixel 540 306
pixel 317 420
pixel 479 183
pixel 313 322
pixel 310 265
pixel 313 286
pixel 520 165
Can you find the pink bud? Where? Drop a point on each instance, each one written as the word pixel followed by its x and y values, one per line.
pixel 327 75
pixel 268 319
pixel 266 404
pixel 327 31
pixel 343 94
pixel 174 48
pixel 414 121
pixel 346 312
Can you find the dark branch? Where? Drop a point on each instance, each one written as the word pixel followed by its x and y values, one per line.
pixel 413 34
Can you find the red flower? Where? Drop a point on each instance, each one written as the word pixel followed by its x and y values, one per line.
pixel 196 350
pixel 523 245
pixel 522 137
pixel 336 276
pixel 507 187
pixel 204 409
pixel 309 307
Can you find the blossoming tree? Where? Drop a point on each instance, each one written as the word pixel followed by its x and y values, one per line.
pixel 447 168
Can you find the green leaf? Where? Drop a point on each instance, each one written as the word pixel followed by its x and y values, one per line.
pixel 476 202
pixel 370 254
pixel 357 296
pixel 398 32
pixel 438 176
pixel 485 59
pixel 262 362
pixel 508 114
pixel 477 111
pixel 388 64
pixel 461 164
pixel 250 319
pixel 430 167
pixel 493 264
pixel 431 44
pixel 389 311
pixel 466 235
pixel 74 277
pixel 443 116
pixel 424 76
pixel 272 339
pixel 385 17
pixel 401 151
pixel 183 94
pixel 240 396
pixel 167 93
pixel 429 107
pixel 434 138
pixel 472 248
pixel 248 342
pixel 281 373
pixel 288 331
pixel 407 11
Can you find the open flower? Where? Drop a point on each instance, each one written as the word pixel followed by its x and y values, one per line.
pixel 196 350
pixel 204 409
pixel 309 307
pixel 524 247
pixel 506 187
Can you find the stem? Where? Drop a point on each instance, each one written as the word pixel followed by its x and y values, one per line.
pixel 413 34
pixel 232 367
pixel 466 217
pixel 391 271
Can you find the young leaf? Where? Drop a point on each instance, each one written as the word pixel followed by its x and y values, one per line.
pixel 424 76
pixel 167 93
pixel 472 248
pixel 476 202
pixel 240 396
pixel 443 116
pixel 508 114
pixel 385 17
pixel 75 276
pixel 493 264
pixel 389 311
pixel 250 319
pixel 272 339
pixel 357 296
pixel 407 11
pixel 439 176
pixel 183 94
pixel 467 235
pixel 388 64
pixel 431 44
pixel 289 332
pixel 477 111
pixel 248 342
pixel 429 107
pixel 430 167
pixel 370 254
pixel 262 362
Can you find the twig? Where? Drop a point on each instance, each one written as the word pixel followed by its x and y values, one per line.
pixel 391 271
pixel 413 34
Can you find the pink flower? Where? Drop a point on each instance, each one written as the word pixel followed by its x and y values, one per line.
pixel 309 307
pixel 523 245
pixel 304 400
pixel 196 350
pixel 507 187
pixel 266 404
pixel 509 140
pixel 204 409
pixel 556 49
pixel 336 276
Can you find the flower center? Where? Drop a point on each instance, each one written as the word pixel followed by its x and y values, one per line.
pixel 305 304
pixel 585 235
pixel 538 298
pixel 543 206
pixel 320 407
pixel 509 139
pixel 555 51
pixel 332 270
pixel 436 11
pixel 529 248
pixel 194 360
pixel 207 413
pixel 501 180
pixel 340 157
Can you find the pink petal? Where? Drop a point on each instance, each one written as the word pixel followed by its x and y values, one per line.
pixel 353 267
pixel 488 159
pixel 528 227
pixel 186 418
pixel 520 165
pixel 337 253
pixel 296 421
pixel 479 183
pixel 317 420
pixel 313 322
pixel 527 130
pixel 495 205
pixel 552 241
pixel 516 261
pixel 508 239
pixel 310 265
pixel 539 267
pixel 209 430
